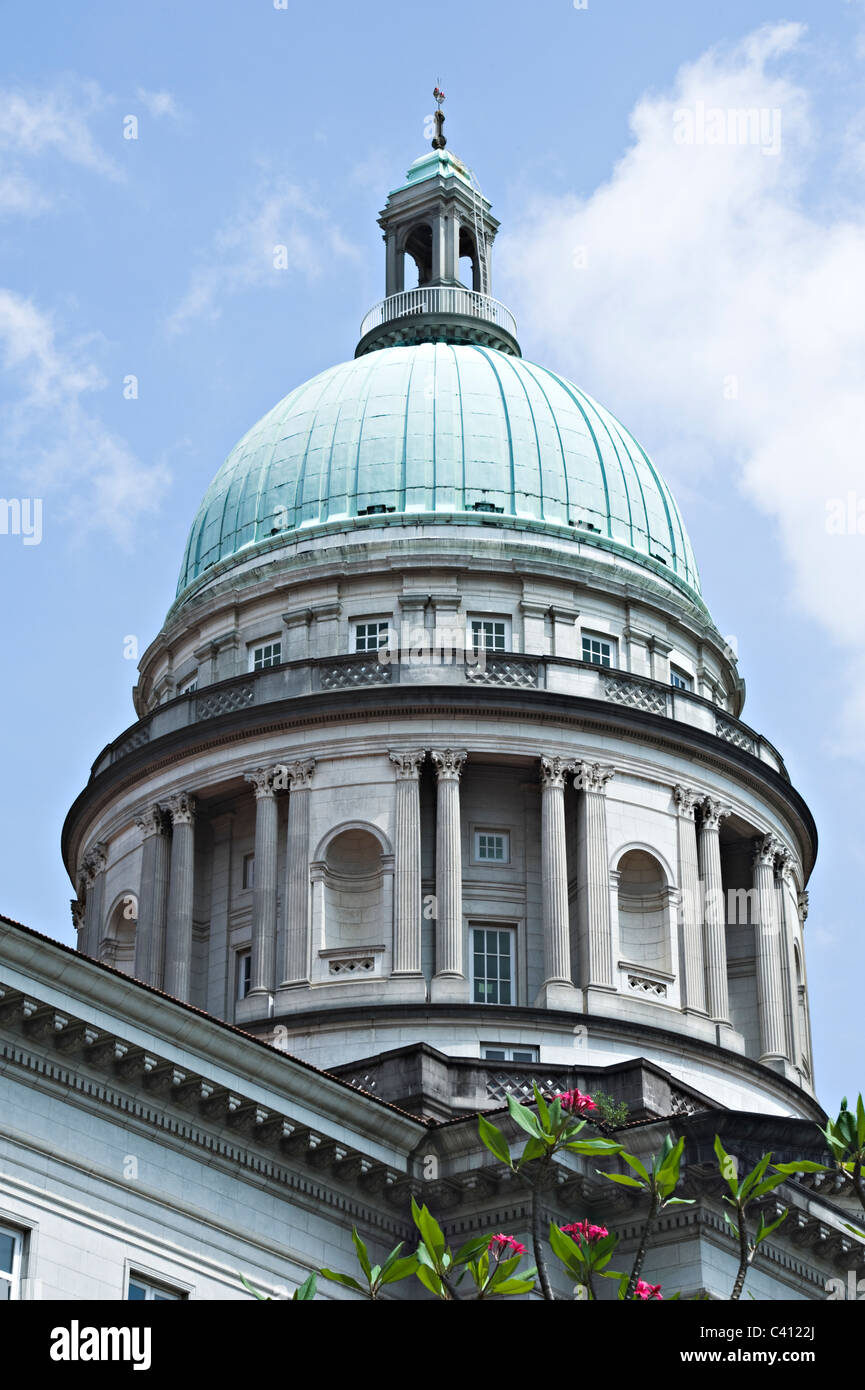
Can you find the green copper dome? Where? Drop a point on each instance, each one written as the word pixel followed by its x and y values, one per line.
pixel 440 432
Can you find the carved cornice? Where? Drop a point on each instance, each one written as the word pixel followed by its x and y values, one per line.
pixel 766 850
pixel 687 801
pixel 407 764
pixel 152 821
pixel 77 908
pixel 93 864
pixel 712 812
pixel 262 780
pixel 593 777
pixel 300 774
pixel 448 763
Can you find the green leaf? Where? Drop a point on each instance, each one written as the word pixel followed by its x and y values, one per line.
pixel 524 1118
pixel 731 1223
pixel 471 1249
pixel 362 1256
pixel 622 1179
pixel 346 1279
pixel 768 1185
pixel 430 1280
pixel 512 1286
pixel 633 1162
pixel 764 1230
pixel 543 1110
pixel 400 1269
pixel 668 1171
pixel 682 1201
pixel 803 1165
pixel 856 1232
pixel 725 1165
pixel 860 1121
pixel 431 1231
pixel 534 1149
pixel 306 1291
pixel 263 1297
pixel 567 1250
pixel 596 1148
pixel 746 1191
pixel 494 1140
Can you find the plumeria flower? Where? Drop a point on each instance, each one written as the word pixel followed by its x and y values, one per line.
pixel 502 1244
pixel 575 1101
pixel 584 1230
pixel 646 1291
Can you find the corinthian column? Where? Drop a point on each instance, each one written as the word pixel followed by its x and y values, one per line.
pixel 407 883
pixel 770 998
pixel 558 988
pixel 449 981
pixel 594 923
pixel 297 875
pixel 693 963
pixel 263 964
pixel 181 887
pixel 714 915
pixel 92 880
pixel 152 897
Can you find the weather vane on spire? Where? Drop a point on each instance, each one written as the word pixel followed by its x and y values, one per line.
pixel 439 142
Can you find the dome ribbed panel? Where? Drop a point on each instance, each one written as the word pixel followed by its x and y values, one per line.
pixel 433 430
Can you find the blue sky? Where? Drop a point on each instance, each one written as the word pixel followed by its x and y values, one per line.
pixel 716 306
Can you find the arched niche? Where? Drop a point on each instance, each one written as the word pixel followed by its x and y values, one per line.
pixel 352 883
pixel 646 938
pixel 117 947
pixel 418 244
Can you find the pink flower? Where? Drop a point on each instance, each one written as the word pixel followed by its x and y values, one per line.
pixel 646 1291
pixel 575 1101
pixel 584 1230
pixel 502 1244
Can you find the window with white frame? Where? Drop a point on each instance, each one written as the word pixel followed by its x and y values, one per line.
pixel 143 1289
pixel 600 651
pixel 489 634
pixel 680 679
pixel 11 1252
pixel 190 684
pixel 505 1052
pixel 492 847
pixel 265 654
pixel 370 635
pixel 493 965
pixel 242 973
pixel 249 870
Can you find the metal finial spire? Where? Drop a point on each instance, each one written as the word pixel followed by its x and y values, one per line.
pixel 439 142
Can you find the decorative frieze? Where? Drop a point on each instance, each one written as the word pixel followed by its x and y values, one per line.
pixel 506 671
pixel 212 704
pixel 636 695
pixel 732 733
pixel 345 675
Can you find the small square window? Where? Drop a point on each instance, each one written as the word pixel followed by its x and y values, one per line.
pixel 492 847
pixel 249 870
pixel 11 1250
pixel 598 650
pixel 488 634
pixel 680 680
pixel 189 685
pixel 492 965
pixel 504 1052
pixel 368 637
pixel 140 1289
pixel 265 655
pixel 242 973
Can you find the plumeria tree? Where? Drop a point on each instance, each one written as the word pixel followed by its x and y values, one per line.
pixel 741 1194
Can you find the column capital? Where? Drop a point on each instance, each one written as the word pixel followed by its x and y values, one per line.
pixel 93 863
pixel 407 762
pixel 181 808
pixel 687 800
pixel 262 781
pixel 554 771
pixel 802 904
pixel 766 849
pixel 593 777
pixel 712 812
pixel 77 908
pixel 448 763
pixel 299 774
pixel 151 821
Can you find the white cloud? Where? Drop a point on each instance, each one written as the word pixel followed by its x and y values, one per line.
pixel 242 253
pixel 36 125
pixel 87 475
pixel 158 103
pixel 721 305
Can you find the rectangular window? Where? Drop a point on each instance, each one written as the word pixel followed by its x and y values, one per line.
pixel 243 973
pixel 488 634
pixel 680 680
pixel 492 847
pixel 503 1052
pixel 368 637
pixel 143 1289
pixel 11 1243
pixel 598 650
pixel 265 655
pixel 189 685
pixel 249 870
pixel 493 965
